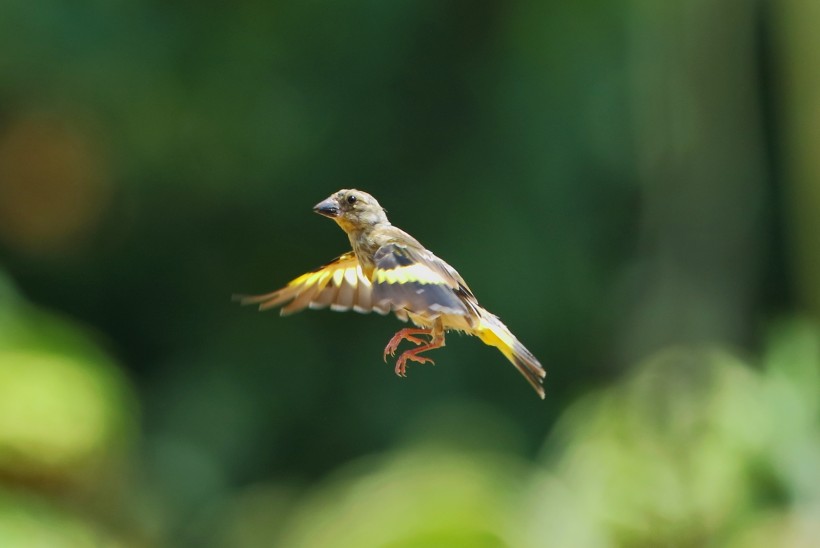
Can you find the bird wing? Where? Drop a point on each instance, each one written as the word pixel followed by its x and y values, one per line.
pixel 410 278
pixel 339 284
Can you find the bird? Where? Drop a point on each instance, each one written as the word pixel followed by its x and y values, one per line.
pixel 387 271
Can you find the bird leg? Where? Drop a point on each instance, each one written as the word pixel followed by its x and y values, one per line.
pixel 436 341
pixel 405 334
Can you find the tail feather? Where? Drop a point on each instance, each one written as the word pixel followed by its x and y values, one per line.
pixel 494 333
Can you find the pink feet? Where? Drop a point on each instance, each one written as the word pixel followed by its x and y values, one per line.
pixel 436 341
pixel 404 334
pixel 412 355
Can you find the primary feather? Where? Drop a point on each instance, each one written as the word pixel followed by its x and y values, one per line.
pixel 390 271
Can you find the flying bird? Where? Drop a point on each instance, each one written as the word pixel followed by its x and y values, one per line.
pixel 390 271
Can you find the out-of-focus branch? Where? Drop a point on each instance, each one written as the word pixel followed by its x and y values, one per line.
pixel 799 44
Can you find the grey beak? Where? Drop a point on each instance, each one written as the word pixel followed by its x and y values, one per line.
pixel 328 208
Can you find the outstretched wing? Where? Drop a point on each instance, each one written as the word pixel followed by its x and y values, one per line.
pixel 413 279
pixel 339 284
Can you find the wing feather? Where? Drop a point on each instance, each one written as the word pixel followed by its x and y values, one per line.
pixel 363 292
pixel 347 291
pixel 339 284
pixel 301 300
pixel 414 280
pixel 323 300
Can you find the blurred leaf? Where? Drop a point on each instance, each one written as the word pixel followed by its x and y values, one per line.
pixel 26 520
pixel 666 456
pixel 421 497
pixel 64 405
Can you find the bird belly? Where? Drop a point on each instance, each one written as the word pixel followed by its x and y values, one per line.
pixel 450 322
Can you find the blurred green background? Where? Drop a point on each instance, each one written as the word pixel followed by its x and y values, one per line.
pixel 633 186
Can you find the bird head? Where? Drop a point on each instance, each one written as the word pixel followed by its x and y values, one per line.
pixel 353 210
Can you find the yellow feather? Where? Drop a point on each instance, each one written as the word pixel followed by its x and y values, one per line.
pixel 416 273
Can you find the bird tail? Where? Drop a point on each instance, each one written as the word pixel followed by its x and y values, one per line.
pixel 494 333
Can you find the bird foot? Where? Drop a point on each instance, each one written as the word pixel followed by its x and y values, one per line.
pixel 404 335
pixel 412 355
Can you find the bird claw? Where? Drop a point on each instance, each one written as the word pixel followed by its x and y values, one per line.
pixel 401 363
pixel 403 335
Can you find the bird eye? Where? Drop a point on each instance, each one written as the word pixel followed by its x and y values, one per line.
pixel 351 199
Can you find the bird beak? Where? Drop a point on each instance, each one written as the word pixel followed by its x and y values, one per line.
pixel 328 208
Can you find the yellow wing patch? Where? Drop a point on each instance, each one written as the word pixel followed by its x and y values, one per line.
pixel 341 285
pixel 419 283
pixel 418 273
